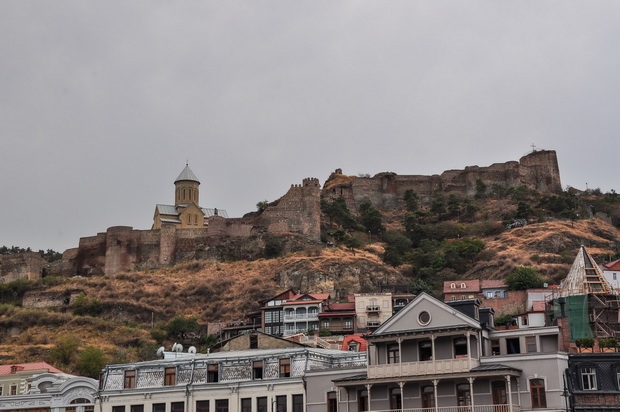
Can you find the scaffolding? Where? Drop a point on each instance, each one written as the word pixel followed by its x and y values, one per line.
pixel 588 301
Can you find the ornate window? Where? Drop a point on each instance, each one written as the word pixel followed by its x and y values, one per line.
pixel 424 318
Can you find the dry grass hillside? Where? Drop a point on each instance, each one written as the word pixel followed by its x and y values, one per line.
pixel 213 292
pixel 549 247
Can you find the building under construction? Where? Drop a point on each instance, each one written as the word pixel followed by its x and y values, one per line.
pixel 585 304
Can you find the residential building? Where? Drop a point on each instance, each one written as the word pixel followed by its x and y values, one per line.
pixel 462 289
pixel 272 312
pixel 593 381
pixel 301 312
pixel 372 309
pixel 260 380
pixel 338 318
pixel 611 271
pixel 252 323
pixel 446 355
pixel 14 377
pixel 50 392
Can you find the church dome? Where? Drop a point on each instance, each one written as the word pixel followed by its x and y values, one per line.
pixel 187 175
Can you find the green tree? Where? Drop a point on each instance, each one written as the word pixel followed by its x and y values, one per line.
pixel 371 218
pixel 438 206
pixel 82 306
pixel 412 201
pixel 65 349
pixel 90 362
pixel 180 325
pixel 481 189
pixel 338 212
pixel 524 277
pixel 460 254
pixel 262 205
pixel 418 286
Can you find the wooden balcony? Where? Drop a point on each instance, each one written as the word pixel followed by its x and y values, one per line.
pixel 421 368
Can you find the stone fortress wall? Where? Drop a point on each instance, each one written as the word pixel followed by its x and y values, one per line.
pixel 537 170
pixel 122 248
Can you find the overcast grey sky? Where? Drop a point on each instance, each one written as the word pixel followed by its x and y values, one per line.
pixel 102 102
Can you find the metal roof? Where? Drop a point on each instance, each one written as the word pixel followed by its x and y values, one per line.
pixel 211 212
pixel 167 210
pixel 187 174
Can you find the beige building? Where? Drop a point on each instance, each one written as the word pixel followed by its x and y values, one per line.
pixel 186 212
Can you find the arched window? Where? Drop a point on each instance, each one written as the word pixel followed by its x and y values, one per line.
pixel 452 285
pixel 79 400
pixel 463 285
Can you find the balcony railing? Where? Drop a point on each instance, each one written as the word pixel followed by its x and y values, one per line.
pixel 421 368
pixel 302 316
pixel 373 308
pixel 477 408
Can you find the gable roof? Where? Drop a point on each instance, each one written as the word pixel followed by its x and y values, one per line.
pixel 358 337
pixel 188 175
pixel 6 369
pixel 442 316
pixel 492 284
pixel 584 277
pixel 470 286
pixel 286 295
pixel 614 266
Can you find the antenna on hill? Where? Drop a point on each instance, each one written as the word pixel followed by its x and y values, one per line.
pixel 533 147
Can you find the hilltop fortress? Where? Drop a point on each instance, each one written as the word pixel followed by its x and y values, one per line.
pixel 183 230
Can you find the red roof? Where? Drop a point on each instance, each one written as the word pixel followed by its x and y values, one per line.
pixel 470 286
pixel 316 298
pixel 19 367
pixel 613 266
pixel 492 284
pixel 356 338
pixel 342 306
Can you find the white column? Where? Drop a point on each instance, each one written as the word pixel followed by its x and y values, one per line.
pixel 400 357
pixel 368 386
pixel 402 395
pixel 471 390
pixel 435 383
pixel 509 386
pixel 469 351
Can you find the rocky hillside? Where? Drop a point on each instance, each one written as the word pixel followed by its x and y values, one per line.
pixel 128 315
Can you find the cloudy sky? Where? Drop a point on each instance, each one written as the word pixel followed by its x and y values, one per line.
pixel 103 102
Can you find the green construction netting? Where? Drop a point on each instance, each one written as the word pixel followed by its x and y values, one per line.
pixel 576 310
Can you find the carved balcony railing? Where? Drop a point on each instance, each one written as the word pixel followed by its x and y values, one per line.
pixel 422 368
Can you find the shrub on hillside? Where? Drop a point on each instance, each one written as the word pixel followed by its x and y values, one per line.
pixel 90 362
pixel 524 277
